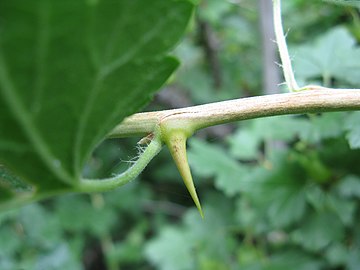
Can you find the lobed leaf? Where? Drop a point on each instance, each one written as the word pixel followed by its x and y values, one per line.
pixel 333 55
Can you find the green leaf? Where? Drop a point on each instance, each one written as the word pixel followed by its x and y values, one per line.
pixel 278 192
pixel 180 247
pixel 218 218
pixel 60 257
pixel 244 144
pixel 70 71
pixel 325 126
pixel 280 127
pixel 316 197
pixel 293 259
pixel 349 186
pixel 98 222
pixel 313 165
pixel 5 193
pixel 130 249
pixel 353 130
pixel 210 160
pixel 316 233
pixel 41 228
pixel 337 254
pixel 7 263
pixel 288 207
pixel 10 242
pixel 321 200
pixel 345 209
pixel 353 261
pixel 248 254
pixel 332 55
pixel 170 250
pixel 245 213
pixel 10 181
pixel 246 141
pixel 213 10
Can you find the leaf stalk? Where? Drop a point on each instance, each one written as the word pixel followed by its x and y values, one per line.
pixel 283 49
pixel 101 185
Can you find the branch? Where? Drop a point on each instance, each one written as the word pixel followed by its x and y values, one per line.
pixel 317 99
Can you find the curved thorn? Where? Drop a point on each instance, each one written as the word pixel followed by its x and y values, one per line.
pixel 176 143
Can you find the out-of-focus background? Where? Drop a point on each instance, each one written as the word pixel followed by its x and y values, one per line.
pixel 278 193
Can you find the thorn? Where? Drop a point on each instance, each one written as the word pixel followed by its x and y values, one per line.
pixel 176 143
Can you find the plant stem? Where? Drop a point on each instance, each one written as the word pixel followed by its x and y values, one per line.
pixel 317 99
pixel 101 185
pixel 283 49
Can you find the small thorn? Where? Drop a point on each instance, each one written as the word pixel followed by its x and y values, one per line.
pixel 176 143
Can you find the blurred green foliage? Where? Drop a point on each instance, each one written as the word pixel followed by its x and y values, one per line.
pixel 278 193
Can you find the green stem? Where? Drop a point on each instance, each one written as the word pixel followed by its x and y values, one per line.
pixel 101 185
pixel 283 49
